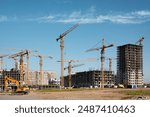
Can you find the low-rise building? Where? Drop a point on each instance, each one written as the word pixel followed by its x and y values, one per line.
pixel 90 79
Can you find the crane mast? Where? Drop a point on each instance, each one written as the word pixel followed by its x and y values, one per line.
pixel 102 59
pixel 69 73
pixel 70 69
pixel 21 54
pixel 27 53
pixel 61 38
pixel 41 65
pixel 110 64
pixel 28 64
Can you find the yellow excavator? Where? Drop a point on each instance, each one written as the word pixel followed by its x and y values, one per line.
pixel 19 89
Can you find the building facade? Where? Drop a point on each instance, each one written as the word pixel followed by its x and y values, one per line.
pixel 130 65
pixel 90 79
pixel 47 77
pixel 12 73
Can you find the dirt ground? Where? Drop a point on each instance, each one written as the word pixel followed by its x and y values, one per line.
pixel 99 94
pixel 79 95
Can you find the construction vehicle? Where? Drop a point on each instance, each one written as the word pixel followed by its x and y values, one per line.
pixel 102 48
pixel 18 89
pixel 61 38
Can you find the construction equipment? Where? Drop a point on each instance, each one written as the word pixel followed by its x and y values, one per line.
pixel 61 38
pixel 27 71
pixel 41 65
pixel 110 70
pixel 27 57
pixel 70 66
pixel 140 41
pixel 110 63
pixel 19 89
pixel 70 69
pixel 21 55
pixel 102 58
pixel 1 61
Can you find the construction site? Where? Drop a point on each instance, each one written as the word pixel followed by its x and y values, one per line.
pixel 92 84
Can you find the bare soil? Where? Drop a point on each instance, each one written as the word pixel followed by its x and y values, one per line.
pixel 98 94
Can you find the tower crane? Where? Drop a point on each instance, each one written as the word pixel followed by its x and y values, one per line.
pixel 110 62
pixel 41 65
pixel 140 41
pixel 28 52
pixel 1 60
pixel 102 48
pixel 111 80
pixel 70 68
pixel 21 55
pixel 61 38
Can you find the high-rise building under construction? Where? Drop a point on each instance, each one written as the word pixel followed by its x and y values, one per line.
pixel 130 65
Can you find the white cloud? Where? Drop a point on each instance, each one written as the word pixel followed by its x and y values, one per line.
pixel 91 16
pixel 3 18
pixel 142 13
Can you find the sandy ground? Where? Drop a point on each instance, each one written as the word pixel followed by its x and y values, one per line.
pixel 79 95
pixel 106 94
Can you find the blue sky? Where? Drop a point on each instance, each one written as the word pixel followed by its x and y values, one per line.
pixel 35 24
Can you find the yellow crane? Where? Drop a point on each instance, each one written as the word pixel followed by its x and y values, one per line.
pixel 28 52
pixel 41 65
pixel 1 61
pixel 102 48
pixel 70 66
pixel 70 69
pixel 61 38
pixel 21 55
pixel 140 41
